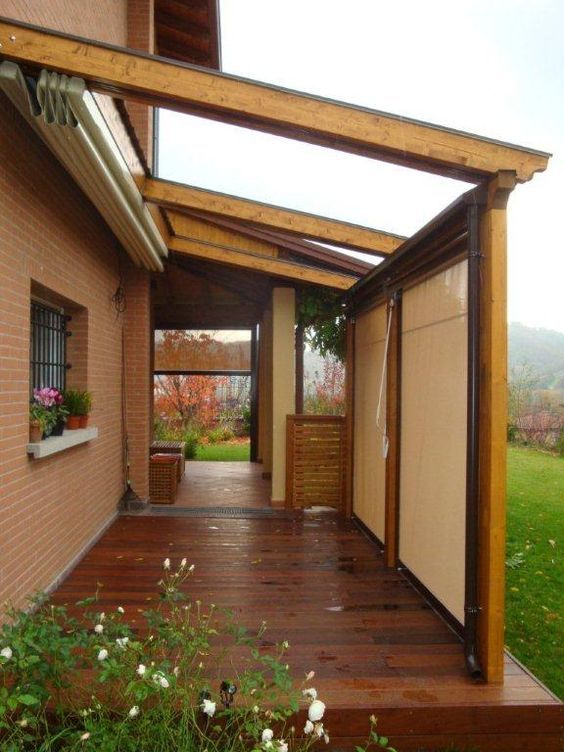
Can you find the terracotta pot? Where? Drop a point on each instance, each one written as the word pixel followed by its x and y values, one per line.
pixel 73 422
pixel 35 432
pixel 83 420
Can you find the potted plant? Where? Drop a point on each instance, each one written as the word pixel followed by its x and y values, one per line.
pixel 85 408
pixel 51 400
pixel 73 403
pixel 38 419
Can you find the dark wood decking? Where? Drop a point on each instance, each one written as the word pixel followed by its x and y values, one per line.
pixel 374 643
pixel 212 484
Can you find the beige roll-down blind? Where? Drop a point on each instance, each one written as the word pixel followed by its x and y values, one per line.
pixel 433 434
pixel 369 463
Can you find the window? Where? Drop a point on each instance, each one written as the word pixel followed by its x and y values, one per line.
pixel 48 350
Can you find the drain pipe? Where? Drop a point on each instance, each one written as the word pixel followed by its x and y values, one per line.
pixel 471 606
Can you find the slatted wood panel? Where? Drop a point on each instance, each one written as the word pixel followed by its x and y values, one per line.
pixel 315 461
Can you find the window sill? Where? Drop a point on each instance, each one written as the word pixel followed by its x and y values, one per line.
pixel 55 444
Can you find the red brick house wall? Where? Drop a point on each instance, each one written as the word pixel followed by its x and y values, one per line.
pixel 53 243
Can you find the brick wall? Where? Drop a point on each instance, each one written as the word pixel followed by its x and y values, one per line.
pixel 127 23
pixel 52 237
pixel 138 371
pixel 141 36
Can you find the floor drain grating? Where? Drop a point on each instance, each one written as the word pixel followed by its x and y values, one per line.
pixel 218 512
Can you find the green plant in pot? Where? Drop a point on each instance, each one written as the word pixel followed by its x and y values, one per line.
pixel 85 408
pixel 40 418
pixel 73 403
pixel 79 404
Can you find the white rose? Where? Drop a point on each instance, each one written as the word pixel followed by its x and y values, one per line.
pixel 121 642
pixel 6 653
pixel 311 693
pixel 316 710
pixel 308 728
pixel 282 746
pixel 134 711
pixel 166 564
pixel 267 735
pixel 141 669
pixel 99 628
pixel 120 610
pixel 208 707
pixel 103 654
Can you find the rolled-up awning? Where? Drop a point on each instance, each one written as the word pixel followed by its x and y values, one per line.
pixel 67 118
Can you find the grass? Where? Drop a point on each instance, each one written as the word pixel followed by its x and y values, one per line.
pixel 535 577
pixel 227 451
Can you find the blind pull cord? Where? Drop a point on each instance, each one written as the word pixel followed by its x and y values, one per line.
pixel 383 429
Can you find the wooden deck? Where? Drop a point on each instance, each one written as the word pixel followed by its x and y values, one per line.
pixel 212 484
pixel 374 643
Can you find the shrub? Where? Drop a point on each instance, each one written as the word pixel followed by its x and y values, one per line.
pixel 220 433
pixel 99 683
pixel 191 439
pixel 559 446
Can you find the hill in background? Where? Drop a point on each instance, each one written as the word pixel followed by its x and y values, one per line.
pixel 543 349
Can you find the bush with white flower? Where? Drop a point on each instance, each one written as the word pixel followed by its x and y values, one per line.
pixel 99 683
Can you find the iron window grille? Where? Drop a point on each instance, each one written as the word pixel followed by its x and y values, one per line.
pixel 48 348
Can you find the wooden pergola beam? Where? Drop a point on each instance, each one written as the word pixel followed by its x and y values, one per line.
pixel 263 264
pixel 179 196
pixel 178 86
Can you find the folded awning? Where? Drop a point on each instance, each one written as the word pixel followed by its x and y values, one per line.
pixel 66 116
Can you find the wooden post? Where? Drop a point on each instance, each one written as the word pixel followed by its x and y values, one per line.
pixel 493 426
pixel 349 417
pixel 299 369
pixel 393 422
pixel 254 453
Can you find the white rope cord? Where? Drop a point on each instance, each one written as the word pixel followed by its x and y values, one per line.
pixel 383 429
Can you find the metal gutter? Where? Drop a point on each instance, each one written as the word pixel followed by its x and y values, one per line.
pixel 471 606
pixel 65 115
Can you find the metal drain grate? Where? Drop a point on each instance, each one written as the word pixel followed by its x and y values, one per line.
pixel 218 512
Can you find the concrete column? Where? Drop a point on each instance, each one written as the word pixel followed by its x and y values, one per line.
pixel 283 383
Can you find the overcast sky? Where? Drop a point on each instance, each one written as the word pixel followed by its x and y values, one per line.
pixel 492 67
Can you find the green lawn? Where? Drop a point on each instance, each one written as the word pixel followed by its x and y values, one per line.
pixel 225 452
pixel 535 582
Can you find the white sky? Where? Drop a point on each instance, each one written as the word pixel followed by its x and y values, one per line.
pixel 492 67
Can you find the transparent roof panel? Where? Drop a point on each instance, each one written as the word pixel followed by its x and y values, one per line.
pixel 297 175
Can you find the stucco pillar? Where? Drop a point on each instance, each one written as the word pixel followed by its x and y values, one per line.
pixel 283 383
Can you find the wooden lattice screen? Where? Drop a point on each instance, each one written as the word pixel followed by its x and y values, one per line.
pixel 315 461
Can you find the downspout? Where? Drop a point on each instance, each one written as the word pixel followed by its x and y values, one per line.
pixel 471 606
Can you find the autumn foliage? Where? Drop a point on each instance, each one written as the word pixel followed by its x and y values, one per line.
pixel 327 397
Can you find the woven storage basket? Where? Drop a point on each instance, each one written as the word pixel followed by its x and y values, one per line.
pixel 163 478
pixel 171 447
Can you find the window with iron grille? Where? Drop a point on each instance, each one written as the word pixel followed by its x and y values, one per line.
pixel 48 349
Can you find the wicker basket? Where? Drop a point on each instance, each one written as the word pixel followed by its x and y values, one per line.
pixel 163 478
pixel 171 447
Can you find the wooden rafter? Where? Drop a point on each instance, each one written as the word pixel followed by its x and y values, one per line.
pixel 263 264
pixel 179 196
pixel 178 86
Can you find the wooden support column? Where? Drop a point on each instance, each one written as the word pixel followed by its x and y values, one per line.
pixel 349 415
pixel 254 454
pixel 393 422
pixel 299 369
pixel 493 427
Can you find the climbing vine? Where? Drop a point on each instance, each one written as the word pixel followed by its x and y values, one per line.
pixel 322 315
